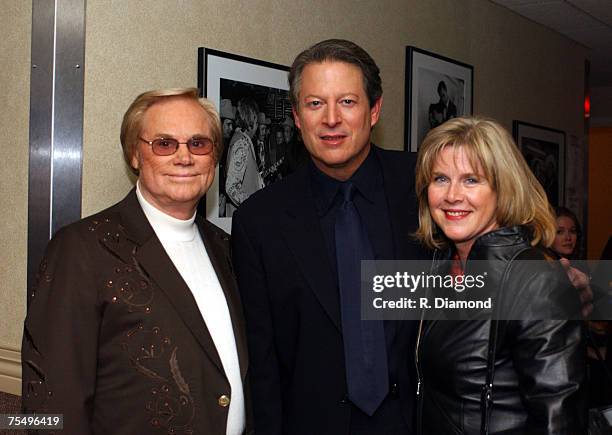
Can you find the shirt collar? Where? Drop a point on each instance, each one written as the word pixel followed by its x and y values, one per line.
pixel 166 227
pixel 366 179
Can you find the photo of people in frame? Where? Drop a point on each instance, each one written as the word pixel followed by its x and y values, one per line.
pixel 438 89
pixel 440 98
pixel 261 142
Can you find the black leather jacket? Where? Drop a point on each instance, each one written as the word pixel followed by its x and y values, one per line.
pixel 539 365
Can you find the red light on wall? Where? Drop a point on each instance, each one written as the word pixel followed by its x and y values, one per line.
pixel 587 106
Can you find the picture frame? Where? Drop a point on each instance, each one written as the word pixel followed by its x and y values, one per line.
pixel 544 150
pixel 437 88
pixel 226 78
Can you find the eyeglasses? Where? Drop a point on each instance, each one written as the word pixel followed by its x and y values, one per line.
pixel 168 146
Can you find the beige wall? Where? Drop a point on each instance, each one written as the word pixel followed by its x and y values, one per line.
pixel 522 70
pixel 14 116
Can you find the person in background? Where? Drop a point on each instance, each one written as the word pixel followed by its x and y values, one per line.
pixel 277 144
pixel 568 234
pixel 288 129
pixel 135 325
pixel 276 156
pixel 243 176
pixel 263 131
pixel 565 247
pixel 444 109
pixel 228 115
pixel 478 201
pixel 599 332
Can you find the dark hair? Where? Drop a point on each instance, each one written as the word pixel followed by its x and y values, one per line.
pixel 441 85
pixel 338 50
pixel 564 211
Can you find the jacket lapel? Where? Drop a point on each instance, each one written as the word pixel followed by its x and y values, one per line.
pixel 302 231
pixel 218 252
pixel 438 257
pixel 157 265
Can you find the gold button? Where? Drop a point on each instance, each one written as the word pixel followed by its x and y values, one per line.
pixel 223 400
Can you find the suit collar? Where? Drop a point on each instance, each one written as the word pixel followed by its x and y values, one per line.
pixel 156 264
pixel 301 225
pixel 216 244
pixel 133 219
pixel 367 179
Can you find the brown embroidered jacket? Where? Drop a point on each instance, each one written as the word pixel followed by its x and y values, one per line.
pixel 114 340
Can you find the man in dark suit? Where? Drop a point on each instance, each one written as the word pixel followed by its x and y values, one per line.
pixel 315 366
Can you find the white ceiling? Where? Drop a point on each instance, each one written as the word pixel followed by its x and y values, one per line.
pixel 588 22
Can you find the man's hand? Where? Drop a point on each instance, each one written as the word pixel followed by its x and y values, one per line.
pixel 582 282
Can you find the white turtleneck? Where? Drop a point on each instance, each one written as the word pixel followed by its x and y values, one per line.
pixel 183 244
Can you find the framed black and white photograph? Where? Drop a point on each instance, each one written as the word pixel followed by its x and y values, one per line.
pixel 261 142
pixel 544 151
pixel 437 89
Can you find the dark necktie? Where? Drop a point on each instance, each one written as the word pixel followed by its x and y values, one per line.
pixel 365 353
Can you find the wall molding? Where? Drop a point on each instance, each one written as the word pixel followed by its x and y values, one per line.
pixel 10 370
pixel 56 122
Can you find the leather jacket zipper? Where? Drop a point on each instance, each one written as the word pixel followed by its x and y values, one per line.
pixel 419 379
pixel 416 360
pixel 416 353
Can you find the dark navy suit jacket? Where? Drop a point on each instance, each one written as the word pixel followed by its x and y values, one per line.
pixel 292 304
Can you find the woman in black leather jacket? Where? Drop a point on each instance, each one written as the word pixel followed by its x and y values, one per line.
pixel 478 200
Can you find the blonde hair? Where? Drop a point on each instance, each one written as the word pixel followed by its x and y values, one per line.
pixel 132 120
pixel 521 200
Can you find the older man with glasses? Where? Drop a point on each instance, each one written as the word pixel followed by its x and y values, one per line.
pixel 135 325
